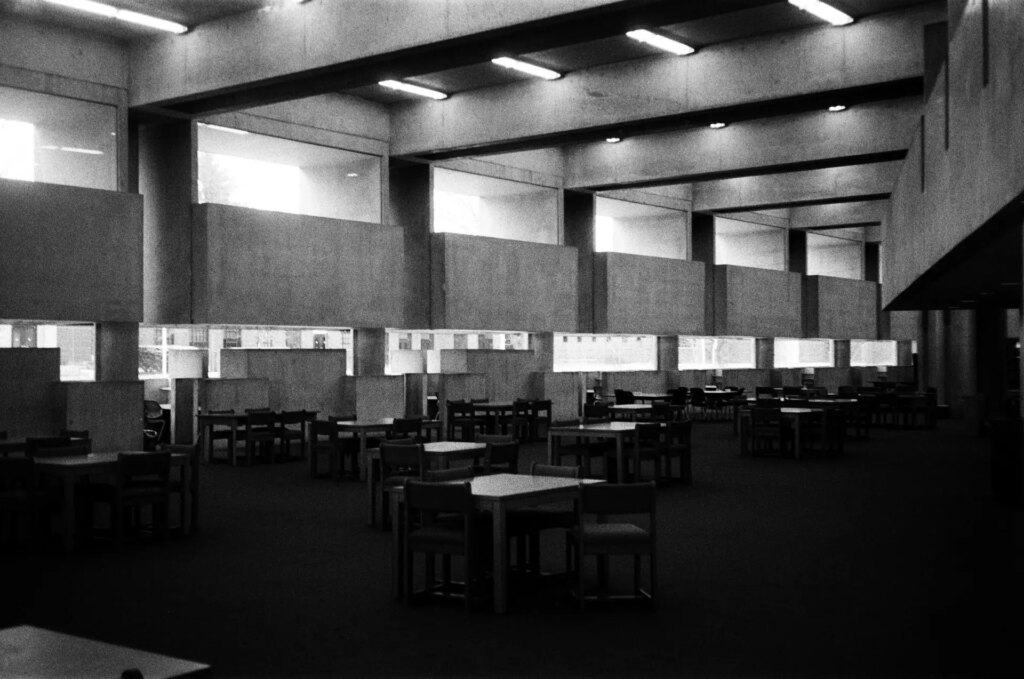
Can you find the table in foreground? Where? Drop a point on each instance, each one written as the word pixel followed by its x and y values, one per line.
pixel 498 493
pixel 29 652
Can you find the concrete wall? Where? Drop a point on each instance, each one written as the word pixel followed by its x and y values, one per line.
pixel 741 243
pixel 655 382
pixel 257 267
pixel 757 302
pixel 110 411
pixel 833 378
pixel 376 396
pixel 840 308
pixel 69 53
pixel 563 390
pixel 510 374
pixel 495 284
pixel 191 395
pixel 647 295
pixel 746 378
pixel 69 253
pixel 982 169
pixel 29 380
pixel 297 379
pixel 837 257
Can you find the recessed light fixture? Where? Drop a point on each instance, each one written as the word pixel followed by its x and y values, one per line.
pixel 121 15
pixel 352 174
pixel 221 128
pixel 716 126
pixel 823 11
pixel 88 152
pixel 613 140
pixel 836 108
pixel 661 42
pixel 413 89
pixel 523 67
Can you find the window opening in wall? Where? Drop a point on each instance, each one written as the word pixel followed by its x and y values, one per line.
pixel 574 352
pixel 639 229
pixel 250 183
pixel 717 353
pixel 419 351
pixel 804 353
pixel 17 150
pixel 76 342
pixel 873 353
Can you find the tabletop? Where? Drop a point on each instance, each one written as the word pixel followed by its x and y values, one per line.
pixel 500 486
pixel 82 462
pixel 29 652
pixel 595 427
pixel 442 447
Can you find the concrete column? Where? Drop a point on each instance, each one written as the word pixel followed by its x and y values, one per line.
pixel 962 365
pixel 797 249
pixel 668 355
pixel 370 346
pixel 764 353
pixel 703 241
pixel 841 350
pixel 543 346
pixel 117 352
pixel 409 206
pixel 579 210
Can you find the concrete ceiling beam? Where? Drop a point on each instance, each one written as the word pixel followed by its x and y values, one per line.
pixel 869 133
pixel 838 215
pixel 810 68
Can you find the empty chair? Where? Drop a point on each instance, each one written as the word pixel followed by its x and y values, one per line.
pixel 583 451
pixel 520 422
pixel 260 432
pixel 676 446
pixel 663 412
pixel 527 523
pixel 326 440
pixel 400 461
pixel 601 410
pixel 462 419
pixel 440 520
pixel 603 531
pixel 185 486
pixel 647 448
pixel 292 427
pixel 502 454
pixel 847 391
pixel 699 401
pixel 141 480
pixel 222 433
pixel 154 423
pixel 540 417
pixel 406 428
pixel 828 434
pixel 769 433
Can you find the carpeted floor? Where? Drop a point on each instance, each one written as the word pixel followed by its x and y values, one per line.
pixel 893 560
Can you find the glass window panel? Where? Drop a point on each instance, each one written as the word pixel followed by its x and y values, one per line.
pixel 267 173
pixel 420 351
pixel 498 208
pixel 745 244
pixel 57 140
pixel 605 353
pixel 637 229
pixel 804 353
pixel 876 353
pixel 716 353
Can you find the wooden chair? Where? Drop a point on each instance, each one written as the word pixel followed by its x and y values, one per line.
pixel 527 523
pixel 185 487
pixel 596 535
pixel 677 446
pixel 141 479
pixel 439 519
pixel 540 417
pixel 583 451
pixel 327 440
pixel 223 433
pixel 768 433
pixel 501 456
pixel 260 433
pixel 292 427
pixel 624 397
pixel 519 423
pixel 407 427
pixel 400 461
pixel 461 418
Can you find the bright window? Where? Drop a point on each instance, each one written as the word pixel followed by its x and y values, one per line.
pixel 419 351
pixel 17 150
pixel 605 353
pixel 716 353
pixel 804 353
pixel 872 353
pixel 76 341
pixel 250 183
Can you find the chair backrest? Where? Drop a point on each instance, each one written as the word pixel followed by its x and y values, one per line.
pixel 562 471
pixel 678 433
pixel 649 433
pixel 624 397
pixel 407 426
pixel 662 412
pixel 504 454
pixel 452 474
pixel 680 396
pixel 764 392
pixel 17 473
pixel 765 416
pixel 617 498
pixel 596 410
pixel 439 497
pixel 34 443
pixel 261 419
pixel 792 391
pixel 152 410
pixel 324 428
pixel 152 469
pixel 846 390
pixel 398 456
pixel 541 409
pixel 697 397
pixel 292 417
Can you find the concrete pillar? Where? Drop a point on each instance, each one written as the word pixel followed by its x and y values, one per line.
pixel 992 362
pixel 961 364
pixel 764 353
pixel 371 347
pixel 579 213
pixel 117 352
pixel 797 249
pixel 543 346
pixel 668 356
pixel 409 206
pixel 703 241
pixel 841 353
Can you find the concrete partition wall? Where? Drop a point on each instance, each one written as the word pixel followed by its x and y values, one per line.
pixel 496 284
pixel 840 308
pixel 307 270
pixel 833 378
pixel 650 295
pixel 757 302
pixel 748 379
pixel 58 260
pixel 297 379
pixel 562 389
pixel 509 373
pixel 110 411
pixel 191 395
pixel 375 396
pixel 652 382
pixel 29 379
pixel 458 388
pixel 694 378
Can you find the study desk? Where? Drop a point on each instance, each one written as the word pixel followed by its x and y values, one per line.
pixel 798 417
pixel 207 421
pixel 617 431
pixel 439 452
pixel 68 470
pixel 496 493
pixel 29 652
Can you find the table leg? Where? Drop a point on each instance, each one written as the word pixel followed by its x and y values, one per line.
pixel 397 548
pixel 500 565
pixel 69 513
pixel 233 443
pixel 551 448
pixel 798 425
pixel 620 459
pixel 367 473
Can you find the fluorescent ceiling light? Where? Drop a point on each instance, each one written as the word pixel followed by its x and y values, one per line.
pixel 613 140
pixel 538 71
pixel 823 11
pixel 89 152
pixel 716 126
pixel 121 14
pixel 221 128
pixel 661 42
pixel 412 89
pixel 837 108
pixel 352 174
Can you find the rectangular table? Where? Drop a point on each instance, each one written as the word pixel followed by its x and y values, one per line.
pixel 207 421
pixel 493 411
pixel 441 452
pixel 644 397
pixel 617 431
pixel 29 652
pixel 632 411
pixel 798 416
pixel 498 493
pixel 68 470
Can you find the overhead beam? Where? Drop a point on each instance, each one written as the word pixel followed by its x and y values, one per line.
pixel 839 215
pixel 866 134
pixel 250 59
pixel 869 181
pixel 877 58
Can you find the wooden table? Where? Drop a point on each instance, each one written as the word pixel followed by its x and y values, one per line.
pixel 362 429
pixel 498 493
pixel 494 411
pixel 441 452
pixel 28 652
pixel 798 416
pixel 73 467
pixel 617 431
pixel 632 411
pixel 651 398
pixel 207 421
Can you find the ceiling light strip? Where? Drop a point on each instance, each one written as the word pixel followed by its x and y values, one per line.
pixel 121 14
pixel 661 42
pixel 413 89
pixel 823 11
pixel 530 69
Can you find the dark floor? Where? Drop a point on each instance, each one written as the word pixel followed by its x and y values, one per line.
pixel 893 560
